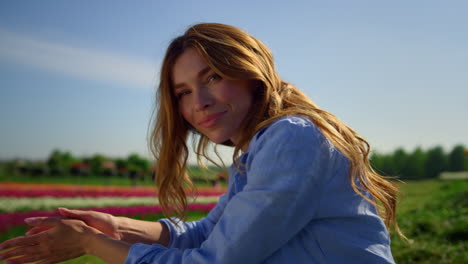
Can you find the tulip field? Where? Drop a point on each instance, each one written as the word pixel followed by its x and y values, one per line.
pixel 433 213
pixel 22 200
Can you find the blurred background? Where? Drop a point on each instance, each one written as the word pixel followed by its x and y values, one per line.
pixel 77 88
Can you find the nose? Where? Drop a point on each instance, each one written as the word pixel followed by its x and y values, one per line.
pixel 203 99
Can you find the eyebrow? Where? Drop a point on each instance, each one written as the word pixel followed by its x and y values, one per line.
pixel 199 75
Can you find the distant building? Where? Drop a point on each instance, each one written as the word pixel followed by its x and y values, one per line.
pixel 80 168
pixel 109 168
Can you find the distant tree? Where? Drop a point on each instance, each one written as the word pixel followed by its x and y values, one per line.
pixel 376 161
pixel 382 163
pixel 466 160
pixel 96 162
pixel 122 166
pixel 137 162
pixel 38 169
pixel 59 162
pixel 436 162
pixel 120 163
pixel 11 168
pixel 415 166
pixel 54 159
pixel 456 158
pixel 388 166
pixel 138 167
pixel 400 160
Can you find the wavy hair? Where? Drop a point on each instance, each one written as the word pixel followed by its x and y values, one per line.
pixel 235 55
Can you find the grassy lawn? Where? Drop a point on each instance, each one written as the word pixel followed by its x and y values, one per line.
pixel 201 177
pixel 68 179
pixel 94 180
pixel 434 216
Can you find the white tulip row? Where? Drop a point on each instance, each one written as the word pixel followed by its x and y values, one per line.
pixel 10 205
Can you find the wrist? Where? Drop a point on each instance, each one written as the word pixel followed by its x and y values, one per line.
pixel 120 224
pixel 122 227
pixel 107 248
pixel 89 237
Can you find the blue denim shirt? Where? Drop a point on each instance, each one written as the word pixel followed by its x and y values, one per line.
pixel 292 204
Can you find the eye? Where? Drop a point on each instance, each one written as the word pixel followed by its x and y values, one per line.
pixel 214 77
pixel 182 94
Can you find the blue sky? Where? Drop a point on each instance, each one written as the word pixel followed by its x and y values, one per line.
pixel 80 75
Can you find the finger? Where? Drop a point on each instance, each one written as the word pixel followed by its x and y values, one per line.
pixel 21 260
pixel 74 212
pixel 18 242
pixel 77 214
pixel 43 221
pixel 67 212
pixel 21 252
pixel 36 230
pixel 25 258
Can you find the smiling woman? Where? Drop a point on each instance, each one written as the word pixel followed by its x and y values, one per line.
pixel 301 189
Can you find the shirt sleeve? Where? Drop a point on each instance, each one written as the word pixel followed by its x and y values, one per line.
pixel 284 170
pixel 187 235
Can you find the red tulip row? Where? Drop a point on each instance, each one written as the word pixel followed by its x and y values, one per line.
pixel 64 190
pixel 9 220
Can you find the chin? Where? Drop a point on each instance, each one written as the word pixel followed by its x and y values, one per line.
pixel 218 139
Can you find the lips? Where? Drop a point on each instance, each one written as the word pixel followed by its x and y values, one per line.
pixel 211 120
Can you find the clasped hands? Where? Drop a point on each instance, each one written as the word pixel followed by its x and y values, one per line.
pixel 56 239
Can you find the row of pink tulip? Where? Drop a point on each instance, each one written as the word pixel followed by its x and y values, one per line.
pixel 9 220
pixel 71 193
pixel 62 190
pixel 54 193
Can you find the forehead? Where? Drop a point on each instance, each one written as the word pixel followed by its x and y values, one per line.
pixel 187 66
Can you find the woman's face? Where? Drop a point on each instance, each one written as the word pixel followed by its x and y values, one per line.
pixel 214 106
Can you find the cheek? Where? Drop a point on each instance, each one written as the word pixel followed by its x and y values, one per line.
pixel 232 95
pixel 186 113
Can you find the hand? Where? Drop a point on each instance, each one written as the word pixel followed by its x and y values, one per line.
pixel 64 239
pixel 106 223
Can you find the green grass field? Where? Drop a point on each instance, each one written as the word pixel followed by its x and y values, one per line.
pixel 433 214
pixel 202 177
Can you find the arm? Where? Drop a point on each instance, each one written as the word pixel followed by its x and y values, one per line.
pixel 138 231
pixel 163 232
pixel 121 228
pixel 285 169
pixel 110 250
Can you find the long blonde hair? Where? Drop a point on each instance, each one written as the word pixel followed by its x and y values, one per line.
pixel 234 54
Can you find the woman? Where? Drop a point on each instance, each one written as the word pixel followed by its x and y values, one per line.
pixel 301 189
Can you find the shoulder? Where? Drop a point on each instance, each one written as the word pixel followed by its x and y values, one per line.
pixel 291 146
pixel 292 139
pixel 291 129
